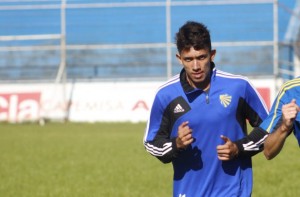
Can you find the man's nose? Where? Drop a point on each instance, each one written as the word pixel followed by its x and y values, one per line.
pixel 196 65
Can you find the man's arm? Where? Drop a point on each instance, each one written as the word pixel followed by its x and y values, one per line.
pixel 248 146
pixel 166 149
pixel 253 143
pixel 276 140
pixel 259 139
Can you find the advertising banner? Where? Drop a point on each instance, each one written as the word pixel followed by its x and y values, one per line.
pixel 88 102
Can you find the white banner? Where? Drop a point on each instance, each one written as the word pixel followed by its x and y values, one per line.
pixel 88 102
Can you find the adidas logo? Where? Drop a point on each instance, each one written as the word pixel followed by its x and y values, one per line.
pixel 178 109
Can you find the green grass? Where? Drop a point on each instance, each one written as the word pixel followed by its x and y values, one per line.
pixel 105 159
pixel 79 160
pixel 279 176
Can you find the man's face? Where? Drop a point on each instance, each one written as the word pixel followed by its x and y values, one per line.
pixel 197 65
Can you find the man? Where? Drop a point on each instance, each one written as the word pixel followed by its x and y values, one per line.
pixel 270 136
pixel 192 110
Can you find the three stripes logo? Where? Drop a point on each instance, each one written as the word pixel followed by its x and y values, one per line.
pixel 178 109
pixel 225 99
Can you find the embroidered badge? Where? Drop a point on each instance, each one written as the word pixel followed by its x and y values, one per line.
pixel 225 99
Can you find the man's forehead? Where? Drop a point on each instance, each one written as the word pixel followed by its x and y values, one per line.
pixel 193 51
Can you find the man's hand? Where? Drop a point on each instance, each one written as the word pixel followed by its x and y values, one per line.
pixel 184 136
pixel 228 150
pixel 289 113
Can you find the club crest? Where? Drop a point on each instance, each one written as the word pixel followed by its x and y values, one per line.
pixel 225 99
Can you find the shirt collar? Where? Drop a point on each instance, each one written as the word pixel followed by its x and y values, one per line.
pixel 185 84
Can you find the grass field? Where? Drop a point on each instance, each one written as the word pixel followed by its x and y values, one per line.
pixel 103 159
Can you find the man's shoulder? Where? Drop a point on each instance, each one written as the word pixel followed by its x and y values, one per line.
pixel 292 85
pixel 169 91
pixel 230 77
pixel 169 83
pixel 225 74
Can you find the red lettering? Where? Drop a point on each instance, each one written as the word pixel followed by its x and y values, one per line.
pixel 17 107
pixel 140 104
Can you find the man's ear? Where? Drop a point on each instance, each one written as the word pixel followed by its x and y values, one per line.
pixel 213 54
pixel 178 58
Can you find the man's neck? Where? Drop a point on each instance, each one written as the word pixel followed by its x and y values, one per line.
pixel 205 85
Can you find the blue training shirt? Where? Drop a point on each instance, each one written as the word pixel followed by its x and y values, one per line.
pixel 223 110
pixel 289 90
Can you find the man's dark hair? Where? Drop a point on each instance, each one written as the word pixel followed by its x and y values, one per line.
pixel 193 34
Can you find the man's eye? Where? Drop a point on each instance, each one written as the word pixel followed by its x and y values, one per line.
pixel 201 57
pixel 188 59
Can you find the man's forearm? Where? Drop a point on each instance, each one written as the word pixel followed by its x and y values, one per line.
pixel 252 144
pixel 275 142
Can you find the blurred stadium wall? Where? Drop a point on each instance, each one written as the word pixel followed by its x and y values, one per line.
pixel 102 60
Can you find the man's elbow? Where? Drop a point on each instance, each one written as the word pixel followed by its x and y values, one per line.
pixel 165 160
pixel 268 154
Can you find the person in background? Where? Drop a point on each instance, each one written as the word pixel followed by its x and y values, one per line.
pixel 194 111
